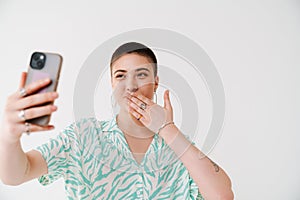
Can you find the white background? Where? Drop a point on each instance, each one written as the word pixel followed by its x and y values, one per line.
pixel 255 46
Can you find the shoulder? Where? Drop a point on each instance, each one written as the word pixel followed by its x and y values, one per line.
pixel 83 127
pixel 81 133
pixel 91 125
pixel 87 124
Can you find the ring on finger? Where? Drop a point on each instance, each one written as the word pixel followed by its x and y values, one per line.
pixel 143 106
pixel 27 128
pixel 21 115
pixel 139 117
pixel 22 92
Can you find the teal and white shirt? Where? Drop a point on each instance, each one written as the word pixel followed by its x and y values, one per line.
pixel 95 161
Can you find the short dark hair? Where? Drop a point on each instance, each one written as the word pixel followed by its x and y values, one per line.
pixel 134 47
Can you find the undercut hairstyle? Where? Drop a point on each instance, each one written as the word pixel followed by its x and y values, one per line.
pixel 134 47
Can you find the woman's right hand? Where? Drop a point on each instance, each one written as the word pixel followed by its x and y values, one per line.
pixel 12 125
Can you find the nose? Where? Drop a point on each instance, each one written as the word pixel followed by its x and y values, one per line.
pixel 131 85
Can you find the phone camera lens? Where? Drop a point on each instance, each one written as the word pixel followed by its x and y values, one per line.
pixel 39 63
pixel 38 60
pixel 36 57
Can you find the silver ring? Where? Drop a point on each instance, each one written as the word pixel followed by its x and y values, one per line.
pixel 27 128
pixel 143 106
pixel 21 115
pixel 22 92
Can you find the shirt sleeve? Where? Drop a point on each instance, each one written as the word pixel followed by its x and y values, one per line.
pixel 57 152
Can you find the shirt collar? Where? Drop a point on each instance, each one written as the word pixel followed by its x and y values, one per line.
pixel 110 125
pixel 118 138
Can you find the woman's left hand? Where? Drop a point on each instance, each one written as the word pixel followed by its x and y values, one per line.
pixel 150 114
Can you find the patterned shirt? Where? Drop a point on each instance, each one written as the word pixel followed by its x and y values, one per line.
pixel 95 161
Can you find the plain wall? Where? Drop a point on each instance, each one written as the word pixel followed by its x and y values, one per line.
pixel 255 46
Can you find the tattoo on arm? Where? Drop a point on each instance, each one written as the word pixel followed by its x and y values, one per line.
pixel 202 155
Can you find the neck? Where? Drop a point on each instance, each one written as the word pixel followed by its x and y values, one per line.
pixel 132 127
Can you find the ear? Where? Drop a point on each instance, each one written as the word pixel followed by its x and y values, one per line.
pixel 156 81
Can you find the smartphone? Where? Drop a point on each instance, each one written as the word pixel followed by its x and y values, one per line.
pixel 44 65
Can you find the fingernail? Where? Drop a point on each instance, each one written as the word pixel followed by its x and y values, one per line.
pixel 46 80
pixel 54 108
pixel 54 94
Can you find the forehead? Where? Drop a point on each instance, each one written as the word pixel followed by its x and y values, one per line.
pixel 132 61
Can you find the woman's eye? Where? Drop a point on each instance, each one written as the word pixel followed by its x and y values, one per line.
pixel 119 76
pixel 142 75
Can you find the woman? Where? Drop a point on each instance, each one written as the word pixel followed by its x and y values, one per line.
pixel 139 154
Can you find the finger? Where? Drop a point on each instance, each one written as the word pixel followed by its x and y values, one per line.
pixel 31 113
pixel 23 79
pixel 37 85
pixel 36 128
pixel 34 87
pixel 35 100
pixel 22 128
pixel 135 104
pixel 167 102
pixel 35 112
pixel 136 114
pixel 142 98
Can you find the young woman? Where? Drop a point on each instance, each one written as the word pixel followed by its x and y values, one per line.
pixel 139 154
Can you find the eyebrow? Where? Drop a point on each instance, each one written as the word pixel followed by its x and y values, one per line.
pixel 137 70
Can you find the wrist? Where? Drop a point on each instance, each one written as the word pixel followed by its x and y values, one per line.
pixel 7 140
pixel 169 132
pixel 164 125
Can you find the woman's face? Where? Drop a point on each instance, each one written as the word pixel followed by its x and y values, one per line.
pixel 132 73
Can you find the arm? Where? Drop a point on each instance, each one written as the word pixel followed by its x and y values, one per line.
pixel 16 166
pixel 210 178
